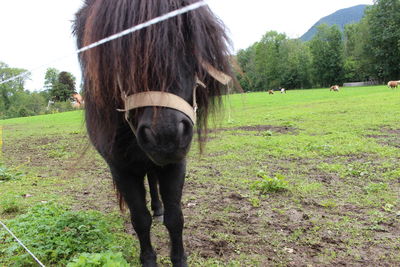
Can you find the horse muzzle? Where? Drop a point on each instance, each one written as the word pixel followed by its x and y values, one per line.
pixel 165 137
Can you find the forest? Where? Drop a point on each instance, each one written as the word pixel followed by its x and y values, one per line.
pixel 364 51
pixel 16 101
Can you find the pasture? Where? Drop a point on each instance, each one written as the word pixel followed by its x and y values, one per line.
pixel 307 178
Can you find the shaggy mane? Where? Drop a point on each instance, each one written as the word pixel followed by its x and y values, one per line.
pixel 150 59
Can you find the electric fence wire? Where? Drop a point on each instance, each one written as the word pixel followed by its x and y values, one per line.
pixel 133 29
pixel 19 241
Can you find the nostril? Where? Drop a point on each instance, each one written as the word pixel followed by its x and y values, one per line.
pixel 147 136
pixel 181 129
pixel 184 128
pixel 185 131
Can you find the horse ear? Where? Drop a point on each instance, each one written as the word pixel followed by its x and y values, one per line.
pixel 216 74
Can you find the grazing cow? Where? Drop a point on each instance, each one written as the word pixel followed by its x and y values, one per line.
pixel 393 84
pixel 271 92
pixel 334 88
pixel 283 91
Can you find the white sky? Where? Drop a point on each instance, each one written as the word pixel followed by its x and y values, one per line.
pixel 37 33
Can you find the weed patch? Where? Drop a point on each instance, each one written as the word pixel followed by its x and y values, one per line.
pixel 376 187
pixel 278 183
pixel 9 207
pixel 56 235
pixel 111 259
pixel 8 174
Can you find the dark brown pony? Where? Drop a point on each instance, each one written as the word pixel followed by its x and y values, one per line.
pixel 167 57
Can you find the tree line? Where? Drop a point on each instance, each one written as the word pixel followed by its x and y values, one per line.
pixel 366 51
pixel 55 96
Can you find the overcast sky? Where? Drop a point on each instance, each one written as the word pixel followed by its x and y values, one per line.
pixel 38 33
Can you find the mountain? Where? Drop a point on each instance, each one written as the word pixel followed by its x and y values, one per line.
pixel 341 18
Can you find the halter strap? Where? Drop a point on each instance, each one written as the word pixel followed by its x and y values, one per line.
pixel 160 99
pixel 165 99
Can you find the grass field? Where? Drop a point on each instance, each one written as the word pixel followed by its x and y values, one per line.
pixel 307 178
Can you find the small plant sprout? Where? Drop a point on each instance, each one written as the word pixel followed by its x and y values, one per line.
pixel 278 183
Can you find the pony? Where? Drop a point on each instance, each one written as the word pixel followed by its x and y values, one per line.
pixel 179 61
pixel 334 88
pixel 271 92
pixel 393 84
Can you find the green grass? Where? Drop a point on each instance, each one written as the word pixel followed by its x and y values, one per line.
pixel 328 193
pixel 46 125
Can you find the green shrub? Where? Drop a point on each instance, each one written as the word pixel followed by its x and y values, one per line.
pixel 56 235
pixel 61 107
pixel 270 184
pixel 23 112
pixel 267 133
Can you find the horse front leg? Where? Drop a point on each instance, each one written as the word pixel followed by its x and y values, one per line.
pixel 171 180
pixel 156 205
pixel 131 187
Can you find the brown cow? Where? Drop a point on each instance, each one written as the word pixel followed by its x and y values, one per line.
pixel 393 84
pixel 271 92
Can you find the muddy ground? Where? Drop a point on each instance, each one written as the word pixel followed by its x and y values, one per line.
pixel 229 222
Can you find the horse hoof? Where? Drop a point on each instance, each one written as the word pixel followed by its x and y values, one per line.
pixel 158 212
pixel 148 261
pixel 158 218
pixel 149 264
pixel 181 262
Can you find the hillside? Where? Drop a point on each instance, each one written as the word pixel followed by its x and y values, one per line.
pixel 340 18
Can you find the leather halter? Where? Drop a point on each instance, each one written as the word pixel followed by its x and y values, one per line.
pixel 165 99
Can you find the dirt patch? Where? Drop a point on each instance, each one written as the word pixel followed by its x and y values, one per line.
pixel 68 157
pixel 263 128
pixel 259 129
pixel 389 137
pixel 305 167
